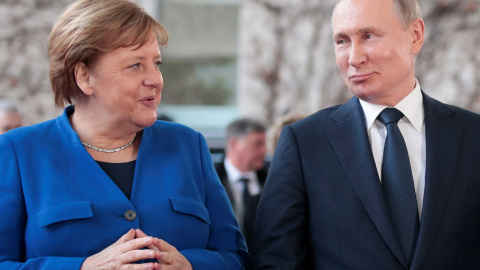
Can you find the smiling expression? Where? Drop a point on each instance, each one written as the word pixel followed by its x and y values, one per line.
pixel 374 53
pixel 126 84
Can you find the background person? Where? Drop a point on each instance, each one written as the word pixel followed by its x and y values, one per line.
pixel 331 199
pixel 244 167
pixel 105 185
pixel 10 117
pixel 275 130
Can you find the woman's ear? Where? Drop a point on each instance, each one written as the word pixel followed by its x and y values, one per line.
pixel 417 31
pixel 82 78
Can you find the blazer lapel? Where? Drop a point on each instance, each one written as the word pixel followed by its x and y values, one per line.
pixel 77 159
pixel 443 137
pixel 349 139
pixel 222 175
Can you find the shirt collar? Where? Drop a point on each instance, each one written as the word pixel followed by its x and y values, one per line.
pixel 234 174
pixel 411 106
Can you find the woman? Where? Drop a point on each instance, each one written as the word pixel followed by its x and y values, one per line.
pixel 105 185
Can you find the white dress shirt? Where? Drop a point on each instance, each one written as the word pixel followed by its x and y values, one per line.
pixel 234 175
pixel 413 130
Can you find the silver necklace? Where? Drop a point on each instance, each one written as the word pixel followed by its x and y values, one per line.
pixel 106 150
pixel 110 150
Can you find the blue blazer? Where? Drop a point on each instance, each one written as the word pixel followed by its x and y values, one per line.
pixel 322 206
pixel 60 207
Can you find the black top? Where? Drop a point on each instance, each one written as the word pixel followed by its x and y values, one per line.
pixel 121 173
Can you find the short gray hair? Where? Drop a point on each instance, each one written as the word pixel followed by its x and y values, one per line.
pixel 406 11
pixel 243 127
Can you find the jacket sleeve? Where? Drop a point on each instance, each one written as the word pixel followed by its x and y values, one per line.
pixel 280 239
pixel 226 248
pixel 13 225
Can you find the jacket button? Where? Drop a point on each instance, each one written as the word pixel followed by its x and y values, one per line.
pixel 130 215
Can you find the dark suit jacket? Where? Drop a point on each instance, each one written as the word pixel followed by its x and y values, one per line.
pixel 251 209
pixel 322 206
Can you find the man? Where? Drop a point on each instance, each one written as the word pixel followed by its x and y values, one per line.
pixel 243 170
pixel 10 118
pixel 328 202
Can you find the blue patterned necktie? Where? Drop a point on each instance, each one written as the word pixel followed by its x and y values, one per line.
pixel 397 184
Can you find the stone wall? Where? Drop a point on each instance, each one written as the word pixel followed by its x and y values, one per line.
pixel 24 29
pixel 287 58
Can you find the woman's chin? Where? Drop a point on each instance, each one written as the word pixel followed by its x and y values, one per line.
pixel 144 123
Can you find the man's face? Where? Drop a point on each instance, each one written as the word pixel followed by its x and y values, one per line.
pixel 374 53
pixel 248 153
pixel 9 120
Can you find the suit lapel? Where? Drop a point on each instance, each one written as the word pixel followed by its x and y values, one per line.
pixel 443 137
pixel 349 139
pixel 222 174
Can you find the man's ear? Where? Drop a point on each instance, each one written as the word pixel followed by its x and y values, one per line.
pixel 82 78
pixel 417 31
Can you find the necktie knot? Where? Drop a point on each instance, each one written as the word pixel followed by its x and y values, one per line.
pixel 390 115
pixel 244 180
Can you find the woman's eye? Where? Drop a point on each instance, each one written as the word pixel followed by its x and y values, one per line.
pixel 369 36
pixel 158 64
pixel 136 65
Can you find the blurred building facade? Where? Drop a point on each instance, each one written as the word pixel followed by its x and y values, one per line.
pixel 258 58
pixel 287 63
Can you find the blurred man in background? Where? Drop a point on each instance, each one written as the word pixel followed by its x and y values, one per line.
pixel 243 171
pixel 10 117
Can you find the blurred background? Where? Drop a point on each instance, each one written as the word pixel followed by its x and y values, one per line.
pixel 232 58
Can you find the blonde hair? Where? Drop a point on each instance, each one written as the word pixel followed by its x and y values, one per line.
pixel 88 29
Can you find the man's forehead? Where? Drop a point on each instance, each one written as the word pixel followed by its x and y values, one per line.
pixel 355 15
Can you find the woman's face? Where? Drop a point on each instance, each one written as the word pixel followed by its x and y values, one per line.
pixel 126 84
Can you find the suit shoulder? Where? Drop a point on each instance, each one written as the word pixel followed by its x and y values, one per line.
pixel 31 134
pixel 466 114
pixel 447 110
pixel 320 119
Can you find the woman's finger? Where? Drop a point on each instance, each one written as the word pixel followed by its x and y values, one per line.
pixel 133 256
pixel 134 244
pixel 140 234
pixel 162 245
pixel 130 235
pixel 143 266
pixel 165 258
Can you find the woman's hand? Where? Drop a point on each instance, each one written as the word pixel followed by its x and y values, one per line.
pixel 168 255
pixel 124 252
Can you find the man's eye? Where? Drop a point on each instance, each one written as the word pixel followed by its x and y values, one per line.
pixel 340 41
pixel 369 36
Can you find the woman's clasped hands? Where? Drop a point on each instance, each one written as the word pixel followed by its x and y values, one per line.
pixel 135 246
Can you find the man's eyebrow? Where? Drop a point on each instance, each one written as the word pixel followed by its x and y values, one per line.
pixel 340 35
pixel 368 29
